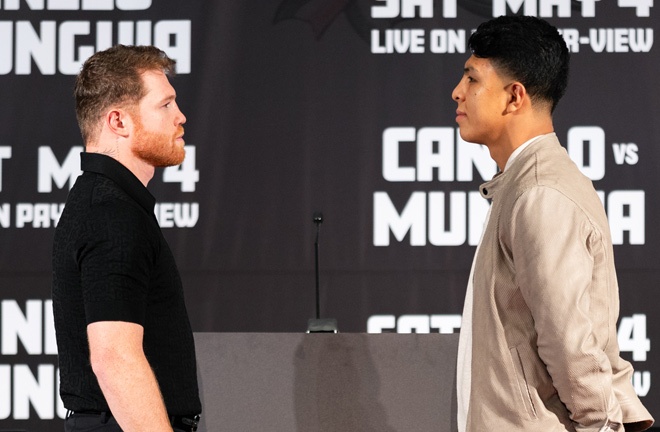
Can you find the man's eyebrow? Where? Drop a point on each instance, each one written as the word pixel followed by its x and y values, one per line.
pixel 168 98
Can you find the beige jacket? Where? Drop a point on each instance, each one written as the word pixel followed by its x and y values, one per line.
pixel 545 355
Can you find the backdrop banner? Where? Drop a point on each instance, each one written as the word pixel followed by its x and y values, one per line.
pixel 301 106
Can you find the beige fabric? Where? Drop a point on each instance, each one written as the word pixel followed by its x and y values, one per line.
pixel 545 354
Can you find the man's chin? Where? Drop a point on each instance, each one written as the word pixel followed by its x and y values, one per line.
pixel 163 161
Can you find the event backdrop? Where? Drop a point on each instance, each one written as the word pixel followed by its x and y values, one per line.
pixel 301 106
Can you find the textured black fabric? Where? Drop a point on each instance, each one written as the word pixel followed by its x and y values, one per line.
pixel 112 263
pixel 95 423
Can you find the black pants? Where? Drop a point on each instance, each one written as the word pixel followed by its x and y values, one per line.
pixel 94 423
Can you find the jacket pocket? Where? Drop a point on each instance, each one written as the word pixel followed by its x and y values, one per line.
pixel 525 395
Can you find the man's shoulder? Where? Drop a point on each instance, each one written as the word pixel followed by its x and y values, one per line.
pixel 97 202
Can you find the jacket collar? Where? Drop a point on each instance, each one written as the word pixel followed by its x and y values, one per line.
pixel 490 188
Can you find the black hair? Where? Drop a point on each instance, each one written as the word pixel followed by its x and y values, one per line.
pixel 529 50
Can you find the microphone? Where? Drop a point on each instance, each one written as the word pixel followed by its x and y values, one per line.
pixel 318 220
pixel 319 325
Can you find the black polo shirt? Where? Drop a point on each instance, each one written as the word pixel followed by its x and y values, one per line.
pixel 112 263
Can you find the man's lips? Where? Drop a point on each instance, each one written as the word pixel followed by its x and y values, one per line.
pixel 460 115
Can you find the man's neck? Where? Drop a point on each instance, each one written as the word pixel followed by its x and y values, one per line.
pixel 515 136
pixel 140 169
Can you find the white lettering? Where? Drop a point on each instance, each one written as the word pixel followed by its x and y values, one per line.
pixel 32 4
pixel 449 10
pixel 468 156
pixel 27 328
pixel 641 40
pixel 375 324
pixel 572 39
pixel 5 153
pixel 642 382
pixel 412 218
pixel 642 7
pixel 631 336
pixel 389 10
pixel 186 173
pixel 5 215
pixel 428 159
pixel 407 8
pixel 413 324
pixel 67 62
pixel 104 5
pixel 40 393
pixel 40 215
pixel 50 341
pixel 63 4
pixel 446 324
pixel 391 138
pixel 55 47
pixel 447 41
pixel 500 7
pixel 588 8
pixel 180 215
pixel 5 391
pixel 547 8
pixel 621 39
pixel 39 48
pixel 131 5
pixel 6 53
pixel 398 41
pixel 626 212
pixel 594 138
pixel 625 153
pixel 50 170
pixel 439 235
pixel 174 37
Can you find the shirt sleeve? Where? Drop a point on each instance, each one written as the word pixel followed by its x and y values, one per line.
pixel 115 261
pixel 556 251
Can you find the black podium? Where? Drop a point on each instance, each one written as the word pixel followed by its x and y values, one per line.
pixel 289 382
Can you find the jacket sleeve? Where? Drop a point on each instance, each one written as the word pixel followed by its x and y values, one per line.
pixel 557 251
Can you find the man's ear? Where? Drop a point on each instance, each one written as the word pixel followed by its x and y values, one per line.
pixel 517 95
pixel 119 122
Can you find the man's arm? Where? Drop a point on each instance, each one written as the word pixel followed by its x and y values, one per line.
pixel 570 301
pixel 125 376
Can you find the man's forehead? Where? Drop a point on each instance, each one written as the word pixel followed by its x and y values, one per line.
pixel 477 64
pixel 156 83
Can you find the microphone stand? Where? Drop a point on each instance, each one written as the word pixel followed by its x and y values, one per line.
pixel 318 219
pixel 319 325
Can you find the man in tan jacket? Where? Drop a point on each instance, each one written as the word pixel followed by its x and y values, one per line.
pixel 538 348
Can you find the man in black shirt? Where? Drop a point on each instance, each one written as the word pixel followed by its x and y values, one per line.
pixel 126 349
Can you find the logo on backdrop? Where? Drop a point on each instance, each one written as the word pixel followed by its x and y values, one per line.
pixel 28 329
pixel 410 26
pixel 50 46
pixel 420 39
pixel 456 218
pixel 51 172
pixel 631 336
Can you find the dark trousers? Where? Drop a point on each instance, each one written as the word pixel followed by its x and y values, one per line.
pixel 93 423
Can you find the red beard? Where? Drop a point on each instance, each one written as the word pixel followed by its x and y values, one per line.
pixel 158 149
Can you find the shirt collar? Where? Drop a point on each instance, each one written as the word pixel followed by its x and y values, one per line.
pixel 115 171
pixel 522 147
